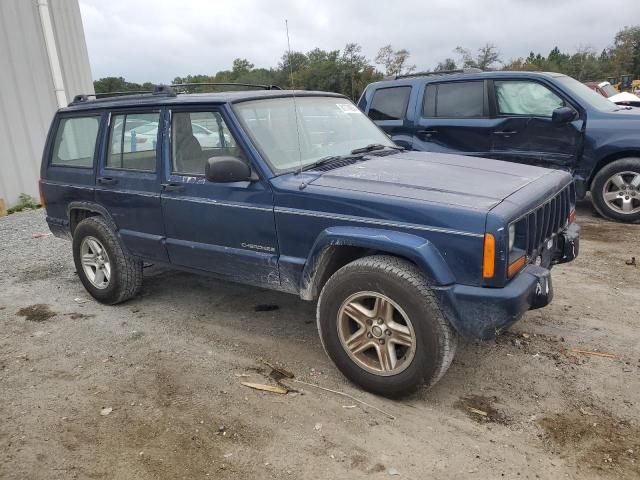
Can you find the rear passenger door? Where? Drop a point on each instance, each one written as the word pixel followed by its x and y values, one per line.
pixel 453 117
pixel 388 110
pixel 128 181
pixel 224 228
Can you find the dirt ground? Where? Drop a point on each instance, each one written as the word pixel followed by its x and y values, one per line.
pixel 152 388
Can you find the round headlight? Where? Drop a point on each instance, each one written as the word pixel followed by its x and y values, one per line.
pixel 512 236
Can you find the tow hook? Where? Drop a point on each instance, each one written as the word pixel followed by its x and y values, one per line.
pixel 543 291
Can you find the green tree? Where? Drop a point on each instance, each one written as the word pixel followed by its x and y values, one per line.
pixel 447 64
pixel 394 61
pixel 486 57
pixel 241 66
pixel 114 84
pixel 626 51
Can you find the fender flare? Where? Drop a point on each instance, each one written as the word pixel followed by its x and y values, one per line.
pixel 91 207
pixel 100 210
pixel 610 152
pixel 417 249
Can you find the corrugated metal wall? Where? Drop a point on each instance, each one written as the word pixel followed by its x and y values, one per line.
pixel 27 97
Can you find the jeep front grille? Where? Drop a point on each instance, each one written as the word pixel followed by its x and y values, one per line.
pixel 548 219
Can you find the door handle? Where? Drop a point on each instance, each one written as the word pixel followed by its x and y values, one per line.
pixel 505 132
pixel 107 181
pixel 172 187
pixel 427 133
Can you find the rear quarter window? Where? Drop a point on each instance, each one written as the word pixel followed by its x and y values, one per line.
pixel 389 103
pixel 75 142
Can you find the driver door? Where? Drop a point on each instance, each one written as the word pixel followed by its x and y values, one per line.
pixel 223 228
pixel 524 131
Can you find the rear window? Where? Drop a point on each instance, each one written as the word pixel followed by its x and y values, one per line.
pixel 457 100
pixel 133 141
pixel 75 142
pixel 389 103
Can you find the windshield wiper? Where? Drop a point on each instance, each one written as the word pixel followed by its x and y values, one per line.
pixel 373 147
pixel 327 159
pixel 356 154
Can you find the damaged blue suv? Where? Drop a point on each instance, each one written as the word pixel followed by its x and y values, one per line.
pixel 301 192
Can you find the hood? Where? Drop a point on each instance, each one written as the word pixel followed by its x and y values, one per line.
pixel 469 182
pixel 624 97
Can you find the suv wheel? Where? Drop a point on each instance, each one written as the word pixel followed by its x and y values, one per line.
pixel 106 271
pixel 382 326
pixel 616 190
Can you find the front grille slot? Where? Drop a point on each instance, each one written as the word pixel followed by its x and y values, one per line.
pixel 548 219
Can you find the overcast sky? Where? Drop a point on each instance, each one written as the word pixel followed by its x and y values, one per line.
pixel 157 40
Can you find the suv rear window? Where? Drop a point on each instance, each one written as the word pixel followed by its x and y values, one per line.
pixel 389 103
pixel 75 142
pixel 133 141
pixel 454 100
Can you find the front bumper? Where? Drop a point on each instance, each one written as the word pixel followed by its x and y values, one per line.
pixel 480 312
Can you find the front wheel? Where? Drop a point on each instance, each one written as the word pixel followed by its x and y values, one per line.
pixel 615 190
pixel 382 326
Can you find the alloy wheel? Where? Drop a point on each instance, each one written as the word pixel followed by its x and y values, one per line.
pixel 376 333
pixel 95 262
pixel 621 192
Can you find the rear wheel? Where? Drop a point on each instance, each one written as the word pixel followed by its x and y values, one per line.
pixel 106 271
pixel 381 325
pixel 615 190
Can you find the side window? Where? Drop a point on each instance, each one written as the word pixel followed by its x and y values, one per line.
pixel 75 142
pixel 389 103
pixel 198 136
pixel 460 100
pixel 429 102
pixel 133 141
pixel 525 98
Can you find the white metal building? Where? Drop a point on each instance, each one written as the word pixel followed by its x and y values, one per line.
pixel 43 64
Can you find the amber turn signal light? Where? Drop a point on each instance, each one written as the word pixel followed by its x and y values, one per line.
pixel 489 258
pixel 516 266
pixel 572 215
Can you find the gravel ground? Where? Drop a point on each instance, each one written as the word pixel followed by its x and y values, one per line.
pixel 152 388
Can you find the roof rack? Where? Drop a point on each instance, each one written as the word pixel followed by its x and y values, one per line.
pixel 441 72
pixel 165 90
pixel 157 90
pixel 223 84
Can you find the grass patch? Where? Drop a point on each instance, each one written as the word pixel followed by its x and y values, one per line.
pixel 25 202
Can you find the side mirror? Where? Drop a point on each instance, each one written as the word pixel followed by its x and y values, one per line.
pixel 227 169
pixel 563 115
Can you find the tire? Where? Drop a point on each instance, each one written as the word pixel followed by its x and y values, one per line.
pixel 409 293
pixel 627 170
pixel 125 272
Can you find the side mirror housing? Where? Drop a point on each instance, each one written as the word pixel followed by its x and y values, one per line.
pixel 227 169
pixel 563 115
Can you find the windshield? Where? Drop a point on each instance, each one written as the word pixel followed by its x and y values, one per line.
pixel 608 89
pixel 584 93
pixel 327 126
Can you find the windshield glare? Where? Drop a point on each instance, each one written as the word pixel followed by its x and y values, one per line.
pixel 327 126
pixel 584 93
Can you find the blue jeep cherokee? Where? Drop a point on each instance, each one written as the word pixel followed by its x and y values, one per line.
pixel 544 119
pixel 302 193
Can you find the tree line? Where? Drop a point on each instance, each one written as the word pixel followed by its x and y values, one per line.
pixel 348 71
